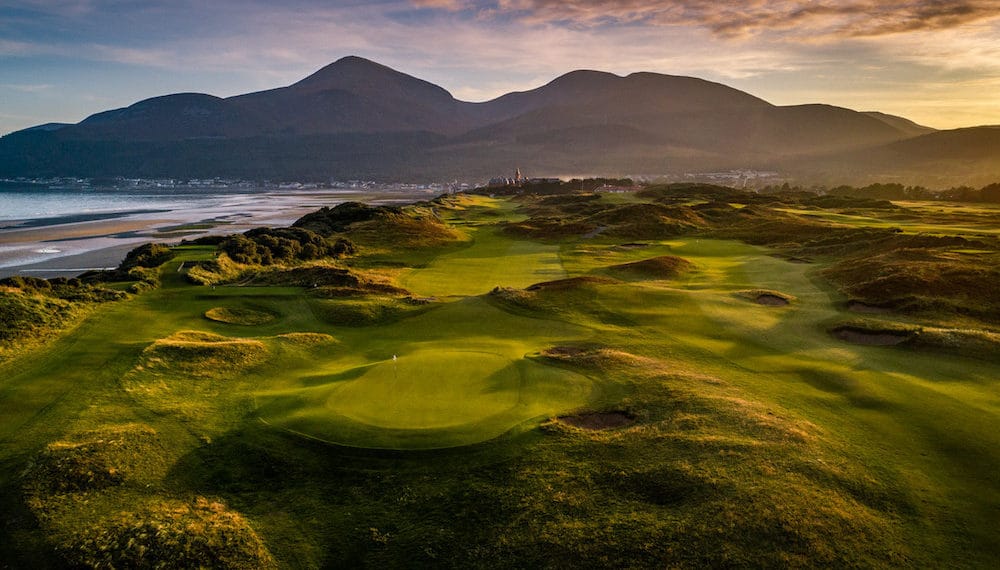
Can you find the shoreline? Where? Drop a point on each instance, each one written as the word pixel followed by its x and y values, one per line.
pixel 70 244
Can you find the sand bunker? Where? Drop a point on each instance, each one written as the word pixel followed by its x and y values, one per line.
pixel 771 300
pixel 871 337
pixel 859 307
pixel 238 316
pixel 766 297
pixel 570 283
pixel 596 421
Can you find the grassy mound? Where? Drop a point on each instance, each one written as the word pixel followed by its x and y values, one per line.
pixel 197 377
pixel 595 421
pixel 923 281
pixel 307 339
pixel 549 228
pixel 575 299
pixel 326 221
pixel 92 460
pixel 30 319
pixel 200 355
pixel 171 534
pixel 662 267
pixel 238 316
pixel 366 311
pixel 403 230
pixel 648 221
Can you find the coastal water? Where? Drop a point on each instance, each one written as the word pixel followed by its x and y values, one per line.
pixel 48 232
pixel 34 204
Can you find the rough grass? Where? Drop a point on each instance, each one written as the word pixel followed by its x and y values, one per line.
pixel 29 320
pixel 92 460
pixel 201 533
pixel 197 354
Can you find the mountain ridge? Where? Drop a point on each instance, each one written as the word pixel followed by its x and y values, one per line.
pixel 355 116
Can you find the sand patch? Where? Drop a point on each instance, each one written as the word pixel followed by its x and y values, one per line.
pixel 865 308
pixel 871 337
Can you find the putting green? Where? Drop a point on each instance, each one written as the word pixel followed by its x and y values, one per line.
pixel 431 397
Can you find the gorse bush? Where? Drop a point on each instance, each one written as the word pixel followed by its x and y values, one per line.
pixel 147 255
pixel 269 246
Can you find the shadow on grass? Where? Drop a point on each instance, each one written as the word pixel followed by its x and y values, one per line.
pixel 366 507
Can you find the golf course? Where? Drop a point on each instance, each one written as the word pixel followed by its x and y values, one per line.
pixel 684 376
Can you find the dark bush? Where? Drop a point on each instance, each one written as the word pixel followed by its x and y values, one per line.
pixel 146 255
pixel 268 246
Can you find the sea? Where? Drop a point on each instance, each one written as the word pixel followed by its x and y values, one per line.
pixel 58 231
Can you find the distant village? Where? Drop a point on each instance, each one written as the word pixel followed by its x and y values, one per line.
pixel 222 184
pixel 750 179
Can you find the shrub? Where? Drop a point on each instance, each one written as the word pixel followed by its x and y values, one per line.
pixel 147 255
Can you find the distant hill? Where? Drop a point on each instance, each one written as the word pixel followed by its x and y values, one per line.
pixel 969 156
pixel 357 118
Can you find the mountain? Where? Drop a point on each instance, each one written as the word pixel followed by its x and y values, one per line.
pixel 357 118
pixel 907 126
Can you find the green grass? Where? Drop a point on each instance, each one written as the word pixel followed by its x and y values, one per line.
pixel 474 270
pixel 758 439
pixel 431 397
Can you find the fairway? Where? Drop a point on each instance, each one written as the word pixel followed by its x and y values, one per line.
pixel 493 260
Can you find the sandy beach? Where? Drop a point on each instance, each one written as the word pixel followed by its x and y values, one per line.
pixel 67 245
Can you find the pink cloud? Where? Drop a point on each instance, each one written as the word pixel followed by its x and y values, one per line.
pixel 797 18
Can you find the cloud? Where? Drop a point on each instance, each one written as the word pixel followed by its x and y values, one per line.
pixel 793 18
pixel 27 87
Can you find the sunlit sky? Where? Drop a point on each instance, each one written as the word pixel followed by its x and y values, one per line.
pixel 935 62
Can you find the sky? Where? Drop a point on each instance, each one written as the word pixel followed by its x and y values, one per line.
pixel 936 62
